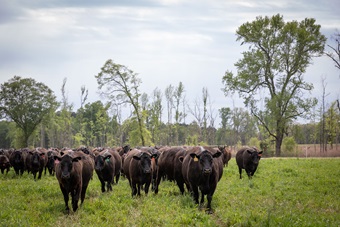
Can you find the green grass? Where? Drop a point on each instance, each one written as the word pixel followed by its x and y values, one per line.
pixel 283 192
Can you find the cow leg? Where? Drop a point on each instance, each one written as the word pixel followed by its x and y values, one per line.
pixel 75 198
pixel 117 178
pixel 202 198
pixel 158 180
pixel 102 184
pixel 138 189
pixel 249 174
pixel 34 175
pixel 109 186
pixel 40 173
pixel 65 194
pixel 83 193
pixel 209 197
pixel 146 188
pixel 240 171
pixel 195 193
pixel 134 189
pixel 180 185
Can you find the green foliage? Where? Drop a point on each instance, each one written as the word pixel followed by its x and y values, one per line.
pixel 289 145
pixel 332 123
pixel 254 142
pixel 192 140
pixel 283 192
pixel 5 132
pixel 27 103
pixel 279 53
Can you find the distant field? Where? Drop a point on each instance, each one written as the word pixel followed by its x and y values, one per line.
pixel 284 192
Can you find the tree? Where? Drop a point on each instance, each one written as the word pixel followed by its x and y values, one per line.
pixel 155 110
pixel 279 53
pixel 121 86
pixel 334 54
pixel 332 119
pixel 26 102
pixel 178 96
pixel 169 96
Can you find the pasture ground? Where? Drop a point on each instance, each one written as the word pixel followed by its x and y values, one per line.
pixel 283 192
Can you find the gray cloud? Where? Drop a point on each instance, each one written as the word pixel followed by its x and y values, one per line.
pixel 164 41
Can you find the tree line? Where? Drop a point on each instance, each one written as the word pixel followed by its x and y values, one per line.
pixel 279 53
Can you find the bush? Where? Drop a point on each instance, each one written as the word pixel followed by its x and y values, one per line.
pixel 289 145
pixel 254 142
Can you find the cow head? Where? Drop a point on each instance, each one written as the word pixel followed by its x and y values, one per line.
pixel 36 157
pixel 66 165
pixel 17 156
pixel 205 160
pixel 100 161
pixel 255 155
pixel 145 161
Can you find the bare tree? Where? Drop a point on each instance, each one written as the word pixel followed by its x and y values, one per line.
pixel 334 54
pixel 121 86
pixel 323 140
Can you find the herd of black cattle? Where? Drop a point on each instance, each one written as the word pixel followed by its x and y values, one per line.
pixel 197 168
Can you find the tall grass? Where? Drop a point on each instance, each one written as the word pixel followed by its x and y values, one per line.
pixel 283 192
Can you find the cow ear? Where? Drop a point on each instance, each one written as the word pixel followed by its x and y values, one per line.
pixel 195 157
pixel 249 151
pixel 76 159
pixel 260 152
pixel 136 157
pixel 62 153
pixel 217 154
pixel 108 157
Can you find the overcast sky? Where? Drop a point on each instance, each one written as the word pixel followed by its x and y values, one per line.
pixel 164 41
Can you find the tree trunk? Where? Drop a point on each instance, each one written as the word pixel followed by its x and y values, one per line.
pixel 141 130
pixel 278 143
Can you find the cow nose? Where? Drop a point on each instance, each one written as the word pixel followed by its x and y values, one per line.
pixel 207 171
pixel 65 175
pixel 147 171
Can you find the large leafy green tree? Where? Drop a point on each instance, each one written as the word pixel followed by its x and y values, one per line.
pixel 96 124
pixel 26 102
pixel 121 86
pixel 279 53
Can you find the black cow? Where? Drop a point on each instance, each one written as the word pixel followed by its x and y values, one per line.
pixel 108 166
pixel 4 163
pixel 154 164
pixel 38 160
pixel 138 170
pixel 50 166
pixel 248 158
pixel 226 155
pixel 200 170
pixel 73 174
pixel 169 166
pixel 17 160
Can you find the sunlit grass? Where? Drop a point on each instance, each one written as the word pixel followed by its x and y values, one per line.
pixel 283 192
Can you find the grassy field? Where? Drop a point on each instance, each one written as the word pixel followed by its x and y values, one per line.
pixel 284 192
